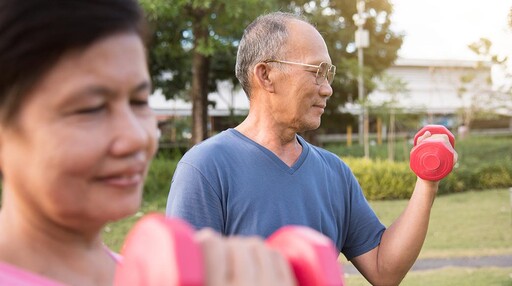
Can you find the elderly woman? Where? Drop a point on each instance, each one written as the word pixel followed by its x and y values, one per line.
pixel 76 139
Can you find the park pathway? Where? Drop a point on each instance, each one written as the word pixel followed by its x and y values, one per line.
pixel 465 262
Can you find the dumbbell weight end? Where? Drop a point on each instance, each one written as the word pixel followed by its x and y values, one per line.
pixel 431 161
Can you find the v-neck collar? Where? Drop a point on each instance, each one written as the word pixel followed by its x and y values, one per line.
pixel 279 163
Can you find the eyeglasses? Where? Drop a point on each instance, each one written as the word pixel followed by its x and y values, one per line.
pixel 323 70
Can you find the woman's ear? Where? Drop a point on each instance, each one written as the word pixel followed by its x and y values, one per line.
pixel 262 76
pixel 1 153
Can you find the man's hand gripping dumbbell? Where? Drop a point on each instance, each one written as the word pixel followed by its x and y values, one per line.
pixel 433 154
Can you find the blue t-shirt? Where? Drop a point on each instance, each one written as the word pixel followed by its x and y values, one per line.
pixel 236 186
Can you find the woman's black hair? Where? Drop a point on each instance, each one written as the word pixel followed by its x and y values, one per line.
pixel 34 34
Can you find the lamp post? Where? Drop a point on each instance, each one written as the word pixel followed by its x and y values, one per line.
pixel 362 41
pixel 510 190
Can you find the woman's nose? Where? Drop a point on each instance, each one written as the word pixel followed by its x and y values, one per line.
pixel 133 133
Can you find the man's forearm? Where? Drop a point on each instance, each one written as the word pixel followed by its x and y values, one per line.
pixel 402 241
pixel 388 263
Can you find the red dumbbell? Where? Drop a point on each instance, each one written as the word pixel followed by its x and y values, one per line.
pixel 163 251
pixel 432 159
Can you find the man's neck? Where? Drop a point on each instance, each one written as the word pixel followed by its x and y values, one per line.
pixel 281 141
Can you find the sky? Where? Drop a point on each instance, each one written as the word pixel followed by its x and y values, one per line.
pixel 442 29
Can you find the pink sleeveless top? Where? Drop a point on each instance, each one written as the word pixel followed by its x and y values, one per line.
pixel 15 276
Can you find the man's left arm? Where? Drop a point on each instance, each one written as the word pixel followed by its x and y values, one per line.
pixel 388 263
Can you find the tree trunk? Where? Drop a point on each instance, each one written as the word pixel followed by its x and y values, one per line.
pixel 199 89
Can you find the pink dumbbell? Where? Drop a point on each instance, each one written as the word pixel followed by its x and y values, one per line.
pixel 432 159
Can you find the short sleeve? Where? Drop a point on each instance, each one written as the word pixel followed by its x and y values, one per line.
pixel 364 231
pixel 194 199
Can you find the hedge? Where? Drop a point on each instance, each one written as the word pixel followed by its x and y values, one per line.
pixel 159 177
pixel 382 179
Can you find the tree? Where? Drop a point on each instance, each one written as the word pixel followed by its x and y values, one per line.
pixel 394 87
pixel 481 99
pixel 194 45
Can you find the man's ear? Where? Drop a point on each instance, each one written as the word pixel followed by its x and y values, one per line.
pixel 262 76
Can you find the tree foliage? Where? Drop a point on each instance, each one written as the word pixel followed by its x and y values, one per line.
pixel 484 103
pixel 207 31
pixel 193 45
pixel 172 44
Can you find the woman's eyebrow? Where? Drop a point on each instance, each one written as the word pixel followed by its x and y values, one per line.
pixel 105 91
pixel 143 86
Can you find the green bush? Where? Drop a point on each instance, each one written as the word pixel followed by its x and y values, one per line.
pixel 484 163
pixel 381 179
pixel 494 176
pixel 158 180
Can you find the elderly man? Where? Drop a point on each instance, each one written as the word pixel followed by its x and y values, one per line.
pixel 261 175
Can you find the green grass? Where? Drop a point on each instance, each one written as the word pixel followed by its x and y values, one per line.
pixel 449 277
pixel 114 233
pixel 156 190
pixel 463 224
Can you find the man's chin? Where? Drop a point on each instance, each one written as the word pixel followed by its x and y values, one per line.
pixel 310 127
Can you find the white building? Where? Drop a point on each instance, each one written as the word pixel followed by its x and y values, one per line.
pixel 437 86
pixel 434 87
pixel 227 99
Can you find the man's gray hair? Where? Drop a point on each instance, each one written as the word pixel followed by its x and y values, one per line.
pixel 263 39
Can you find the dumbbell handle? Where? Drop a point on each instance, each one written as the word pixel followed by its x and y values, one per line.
pixel 435 129
pixel 163 251
pixel 432 159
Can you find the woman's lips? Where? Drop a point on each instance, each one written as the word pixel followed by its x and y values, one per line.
pixel 125 180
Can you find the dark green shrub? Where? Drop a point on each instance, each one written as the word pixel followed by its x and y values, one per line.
pixel 493 176
pixel 484 163
pixel 158 180
pixel 452 183
pixel 381 179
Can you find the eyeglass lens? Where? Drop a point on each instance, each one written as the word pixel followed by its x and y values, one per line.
pixel 325 71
